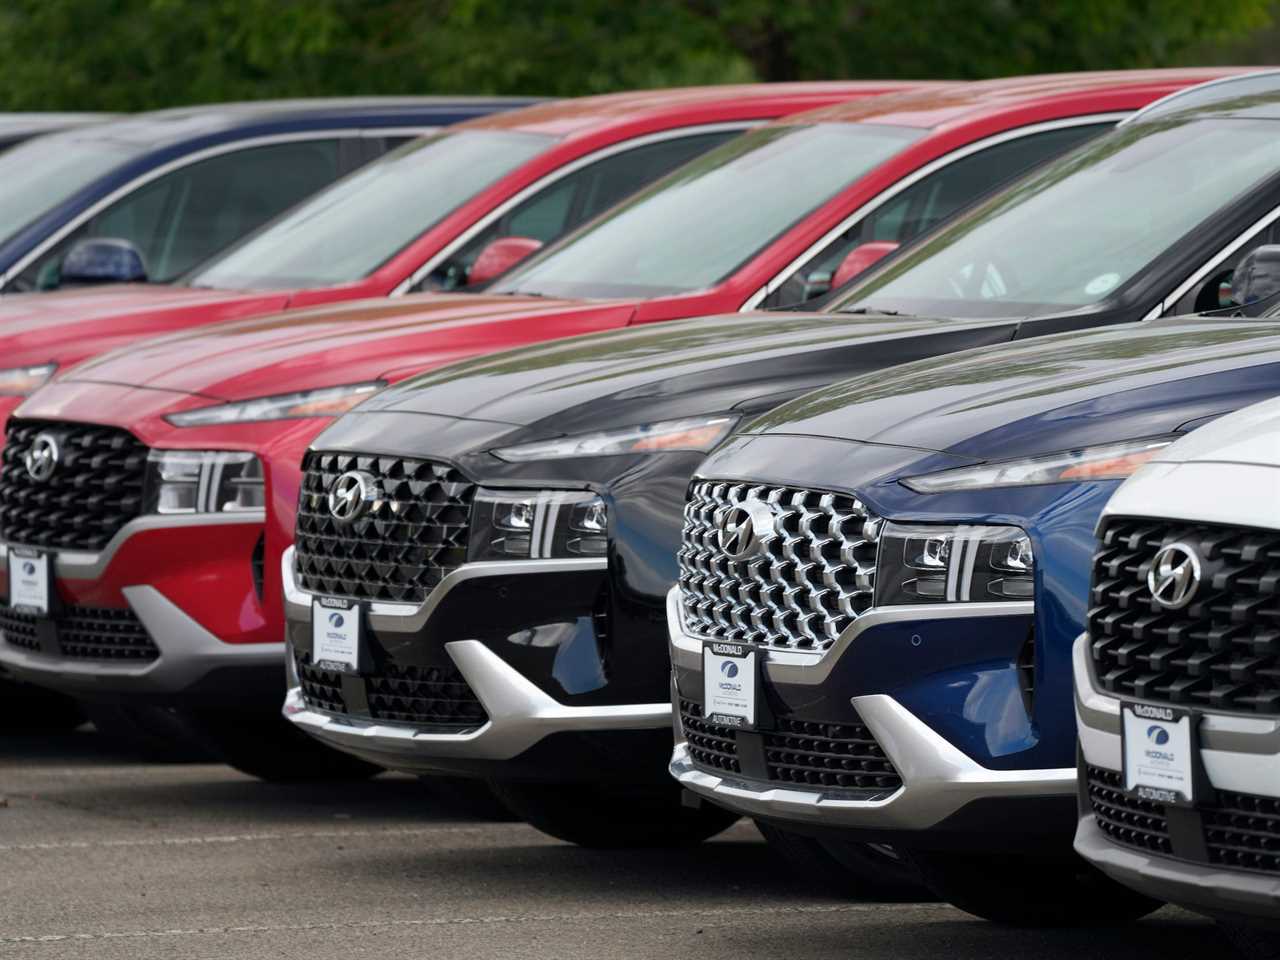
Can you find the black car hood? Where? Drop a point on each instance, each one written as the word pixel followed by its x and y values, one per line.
pixel 1048 394
pixel 640 374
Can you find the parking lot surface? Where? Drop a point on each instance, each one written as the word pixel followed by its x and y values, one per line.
pixel 103 856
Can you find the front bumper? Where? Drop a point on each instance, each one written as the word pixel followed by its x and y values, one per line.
pixel 939 781
pixel 519 713
pixel 209 642
pixel 1241 756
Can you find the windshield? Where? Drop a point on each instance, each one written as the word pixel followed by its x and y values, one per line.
pixel 40 174
pixel 349 230
pixel 697 226
pixel 1075 233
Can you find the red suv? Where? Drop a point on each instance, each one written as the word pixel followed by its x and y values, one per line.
pixel 437 213
pixel 115 471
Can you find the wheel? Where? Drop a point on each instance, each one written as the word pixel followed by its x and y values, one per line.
pixel 267 746
pixel 1254 943
pixel 860 871
pixel 613 816
pixel 151 733
pixel 24 708
pixel 1031 892
pixel 468 797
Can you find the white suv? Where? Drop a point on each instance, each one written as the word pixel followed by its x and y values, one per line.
pixel 1178 680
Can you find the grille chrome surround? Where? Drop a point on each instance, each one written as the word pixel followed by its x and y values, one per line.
pixel 409 540
pixel 84 633
pixel 95 489
pixel 1222 651
pixel 811 579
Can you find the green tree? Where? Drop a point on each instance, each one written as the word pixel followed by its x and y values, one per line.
pixel 138 54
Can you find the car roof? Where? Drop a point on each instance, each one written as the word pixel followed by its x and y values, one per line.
pixel 584 116
pixel 158 129
pixel 21 124
pixel 1254 95
pixel 954 104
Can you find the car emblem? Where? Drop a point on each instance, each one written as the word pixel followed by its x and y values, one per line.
pixel 42 457
pixel 1174 577
pixel 351 495
pixel 744 529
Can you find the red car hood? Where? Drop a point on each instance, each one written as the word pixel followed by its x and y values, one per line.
pixel 67 326
pixel 346 343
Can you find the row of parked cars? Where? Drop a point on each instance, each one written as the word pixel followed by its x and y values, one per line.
pixel 836 427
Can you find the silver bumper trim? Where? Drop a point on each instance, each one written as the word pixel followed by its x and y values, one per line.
pixel 938 779
pixel 411 617
pixel 188 652
pixel 520 714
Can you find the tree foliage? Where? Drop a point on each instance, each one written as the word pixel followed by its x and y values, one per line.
pixel 138 54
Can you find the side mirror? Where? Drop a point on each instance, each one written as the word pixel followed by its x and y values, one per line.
pixel 102 261
pixel 1257 276
pixel 499 257
pixel 860 258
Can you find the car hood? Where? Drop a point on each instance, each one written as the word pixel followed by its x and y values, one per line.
pixel 65 326
pixel 1250 436
pixel 704 364
pixel 1048 394
pixel 336 344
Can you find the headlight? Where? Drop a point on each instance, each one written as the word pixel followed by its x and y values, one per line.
pixel 21 381
pixel 930 563
pixel 693 433
pixel 530 525
pixel 326 402
pixel 1112 461
pixel 203 481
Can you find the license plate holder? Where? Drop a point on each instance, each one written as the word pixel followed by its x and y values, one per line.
pixel 29 587
pixel 1158 749
pixel 730 682
pixel 337 633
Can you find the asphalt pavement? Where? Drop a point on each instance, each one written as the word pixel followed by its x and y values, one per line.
pixel 104 856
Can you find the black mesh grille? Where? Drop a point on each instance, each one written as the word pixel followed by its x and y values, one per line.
pixel 94 490
pixel 838 755
pixel 1243 831
pixel 404 545
pixel 85 633
pixel 710 746
pixel 1127 820
pixel 430 696
pixel 1222 650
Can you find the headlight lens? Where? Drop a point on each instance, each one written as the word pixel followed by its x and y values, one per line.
pixel 21 381
pixel 929 563
pixel 542 524
pixel 204 481
pixel 1112 461
pixel 326 402
pixel 692 433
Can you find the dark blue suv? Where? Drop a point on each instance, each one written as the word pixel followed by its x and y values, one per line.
pixel 182 184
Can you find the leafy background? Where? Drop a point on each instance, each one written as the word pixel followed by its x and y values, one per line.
pixel 139 54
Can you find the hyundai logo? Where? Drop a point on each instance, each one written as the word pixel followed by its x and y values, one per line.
pixel 1174 577
pixel 729 669
pixel 42 457
pixel 28 568
pixel 351 495
pixel 1158 735
pixel 745 529
pixel 336 620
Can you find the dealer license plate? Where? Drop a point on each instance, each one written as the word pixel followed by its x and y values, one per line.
pixel 729 673
pixel 335 632
pixel 29 580
pixel 1158 753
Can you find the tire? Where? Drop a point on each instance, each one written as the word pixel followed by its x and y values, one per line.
pixel 267 746
pixel 28 709
pixel 1253 943
pixel 467 797
pixel 153 734
pixel 605 817
pixel 1031 892
pixel 858 871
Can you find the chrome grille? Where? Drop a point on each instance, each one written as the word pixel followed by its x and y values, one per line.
pixel 811 579
pixel 1222 651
